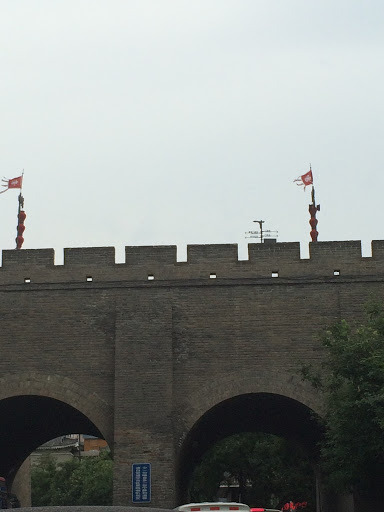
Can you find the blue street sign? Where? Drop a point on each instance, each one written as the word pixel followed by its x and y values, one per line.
pixel 141 483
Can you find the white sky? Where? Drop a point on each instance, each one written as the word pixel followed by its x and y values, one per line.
pixel 145 122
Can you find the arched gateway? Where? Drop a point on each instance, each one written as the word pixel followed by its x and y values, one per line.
pixel 161 358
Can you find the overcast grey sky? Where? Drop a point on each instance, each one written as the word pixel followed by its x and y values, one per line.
pixel 181 121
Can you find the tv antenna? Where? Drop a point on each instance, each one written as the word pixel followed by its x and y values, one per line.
pixel 261 233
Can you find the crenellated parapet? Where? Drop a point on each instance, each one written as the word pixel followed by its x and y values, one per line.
pixel 281 261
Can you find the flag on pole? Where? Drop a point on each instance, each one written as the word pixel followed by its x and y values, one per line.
pixel 13 183
pixel 306 179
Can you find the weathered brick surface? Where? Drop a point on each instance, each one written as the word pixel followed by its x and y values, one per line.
pixel 144 360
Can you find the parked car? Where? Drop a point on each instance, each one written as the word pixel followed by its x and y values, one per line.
pixel 217 506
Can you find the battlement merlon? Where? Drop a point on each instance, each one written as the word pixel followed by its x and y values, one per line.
pixel 327 259
pixel 28 257
pixel 346 251
pixel 100 256
pixel 377 249
pixel 288 252
pixel 211 254
pixel 149 255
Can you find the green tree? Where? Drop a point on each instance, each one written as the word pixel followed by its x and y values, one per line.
pixel 351 379
pixel 41 480
pixel 87 481
pixel 268 470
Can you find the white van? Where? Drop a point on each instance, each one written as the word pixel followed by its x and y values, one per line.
pixel 209 506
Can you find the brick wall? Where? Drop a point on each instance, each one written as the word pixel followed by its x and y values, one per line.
pixel 145 348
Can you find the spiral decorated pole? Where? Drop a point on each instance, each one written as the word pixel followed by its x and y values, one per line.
pixel 21 216
pixel 313 209
pixel 20 229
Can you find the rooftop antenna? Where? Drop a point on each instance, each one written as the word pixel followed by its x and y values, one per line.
pixel 261 233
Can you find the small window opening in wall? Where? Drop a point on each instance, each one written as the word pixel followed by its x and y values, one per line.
pixel 151 277
pixel 89 279
pixel 27 279
pixel 212 275
pixel 275 274
pixel 336 272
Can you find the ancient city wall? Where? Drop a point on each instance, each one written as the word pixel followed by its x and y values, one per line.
pixel 160 342
pixel 159 263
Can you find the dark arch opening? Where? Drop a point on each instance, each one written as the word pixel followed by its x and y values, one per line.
pixel 252 412
pixel 28 421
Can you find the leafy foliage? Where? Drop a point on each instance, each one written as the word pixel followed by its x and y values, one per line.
pixel 351 378
pixel 268 470
pixel 87 481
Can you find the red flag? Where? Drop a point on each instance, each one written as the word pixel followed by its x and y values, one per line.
pixel 13 183
pixel 305 179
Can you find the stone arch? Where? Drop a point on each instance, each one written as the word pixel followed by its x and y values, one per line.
pixel 227 386
pixel 36 407
pixel 228 396
pixel 61 388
